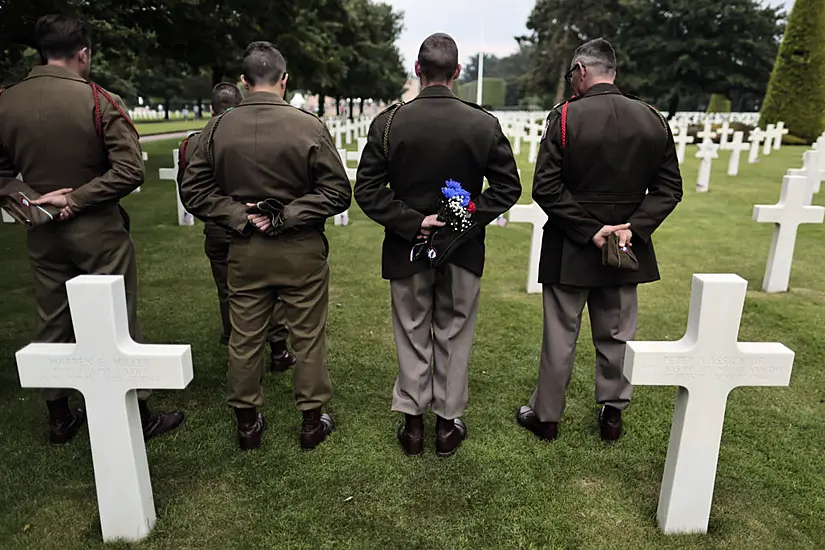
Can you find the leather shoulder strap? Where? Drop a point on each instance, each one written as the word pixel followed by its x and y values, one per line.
pixel 182 152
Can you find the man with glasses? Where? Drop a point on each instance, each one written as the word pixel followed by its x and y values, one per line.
pixel 607 177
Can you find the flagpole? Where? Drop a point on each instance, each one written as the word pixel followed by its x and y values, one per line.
pixel 480 87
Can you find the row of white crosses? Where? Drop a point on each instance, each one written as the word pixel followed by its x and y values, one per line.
pixel 793 209
pixel 184 217
pixel 347 157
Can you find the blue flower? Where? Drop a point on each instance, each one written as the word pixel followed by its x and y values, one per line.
pixel 454 190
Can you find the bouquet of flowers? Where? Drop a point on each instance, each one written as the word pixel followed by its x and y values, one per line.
pixel 456 210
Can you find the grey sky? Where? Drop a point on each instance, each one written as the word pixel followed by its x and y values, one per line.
pixel 462 19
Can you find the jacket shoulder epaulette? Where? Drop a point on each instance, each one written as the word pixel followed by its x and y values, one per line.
pixel 476 106
pixel 658 114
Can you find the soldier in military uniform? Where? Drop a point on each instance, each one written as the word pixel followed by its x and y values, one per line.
pixel 74 143
pixel 415 149
pixel 271 174
pixel 606 166
pixel 226 96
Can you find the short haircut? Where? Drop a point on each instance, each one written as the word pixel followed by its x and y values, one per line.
pixel 263 64
pixel 224 96
pixel 598 54
pixel 61 36
pixel 438 58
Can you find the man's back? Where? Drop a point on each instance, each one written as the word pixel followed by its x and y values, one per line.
pixel 264 149
pixel 433 139
pixel 613 145
pixel 48 128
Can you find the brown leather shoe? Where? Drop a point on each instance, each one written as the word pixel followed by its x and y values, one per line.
pixel 280 359
pixel 63 430
pixel 610 423
pixel 527 418
pixel 411 435
pixel 315 428
pixel 449 434
pixel 251 426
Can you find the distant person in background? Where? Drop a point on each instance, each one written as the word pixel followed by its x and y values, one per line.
pixel 74 142
pixel 607 177
pixel 226 96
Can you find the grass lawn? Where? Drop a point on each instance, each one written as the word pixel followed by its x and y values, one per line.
pixel 504 489
pixel 152 128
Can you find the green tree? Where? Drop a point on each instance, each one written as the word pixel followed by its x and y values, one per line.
pixel 718 104
pixel 796 94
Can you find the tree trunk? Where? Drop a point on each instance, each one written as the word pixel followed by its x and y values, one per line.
pixel 338 105
pixel 561 86
pixel 361 108
pixel 673 105
pixel 166 107
pixel 217 75
pixel 351 109
pixel 199 112
pixel 322 104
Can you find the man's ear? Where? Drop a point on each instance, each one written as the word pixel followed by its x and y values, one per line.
pixel 84 55
pixel 418 69
pixel 457 72
pixel 244 82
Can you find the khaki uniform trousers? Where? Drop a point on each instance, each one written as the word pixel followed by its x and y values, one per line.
pixel 96 242
pixel 434 318
pixel 293 268
pixel 216 245
pixel 613 318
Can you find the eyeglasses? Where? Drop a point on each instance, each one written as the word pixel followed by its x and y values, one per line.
pixel 569 76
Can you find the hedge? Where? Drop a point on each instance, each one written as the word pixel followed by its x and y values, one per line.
pixel 718 104
pixel 796 92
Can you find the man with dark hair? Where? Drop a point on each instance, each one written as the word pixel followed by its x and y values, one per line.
pixel 271 174
pixel 226 96
pixel 82 169
pixel 417 149
pixel 607 177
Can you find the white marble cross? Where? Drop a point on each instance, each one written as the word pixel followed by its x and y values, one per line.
pixel 535 215
pixel 815 176
pixel 707 152
pixel 778 133
pixel 534 139
pixel 724 132
pixel 707 133
pixel 706 364
pixel 755 138
pixel 736 147
pixel 501 220
pixel 788 215
pixel 343 154
pixel 184 217
pixel 107 366
pixel 770 132
pixel 682 139
pixel 145 158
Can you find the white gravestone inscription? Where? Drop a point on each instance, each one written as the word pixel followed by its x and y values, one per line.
pixel 107 366
pixel 532 214
pixel 736 147
pixel 184 217
pixel 706 364
pixel 787 215
pixel 707 152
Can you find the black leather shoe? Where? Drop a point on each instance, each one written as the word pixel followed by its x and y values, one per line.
pixel 449 434
pixel 610 423
pixel 411 435
pixel 64 430
pixel 251 426
pixel 281 361
pixel 315 428
pixel 156 424
pixel 527 418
